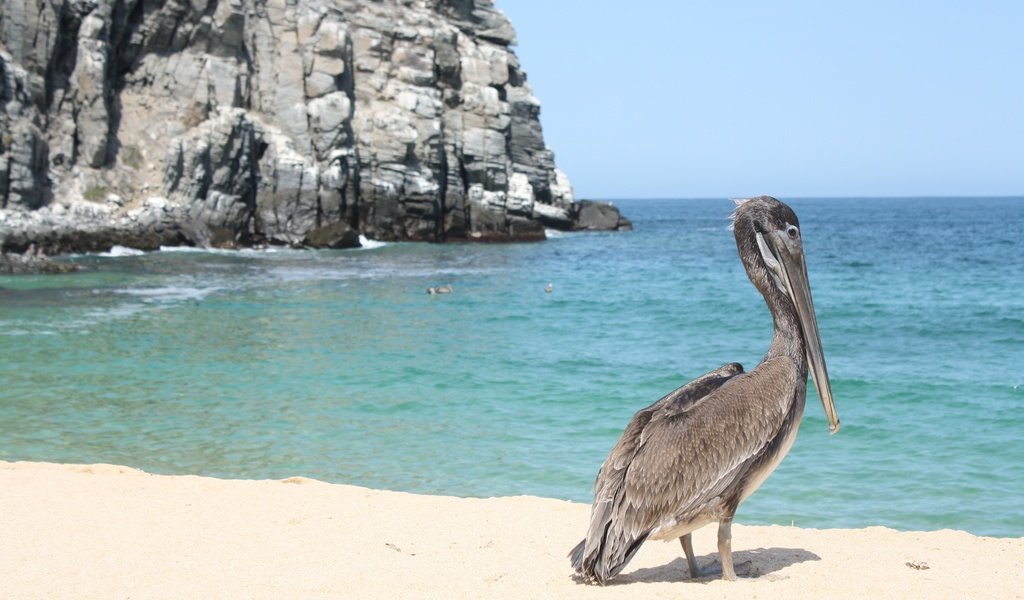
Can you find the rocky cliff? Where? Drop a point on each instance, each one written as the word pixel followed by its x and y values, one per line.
pixel 239 122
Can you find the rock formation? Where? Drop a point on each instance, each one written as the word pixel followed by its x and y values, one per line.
pixel 239 122
pixel 591 215
pixel 32 261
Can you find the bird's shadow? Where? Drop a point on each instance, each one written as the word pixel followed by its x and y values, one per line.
pixel 750 564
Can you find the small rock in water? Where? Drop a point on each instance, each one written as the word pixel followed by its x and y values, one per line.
pixel 336 235
pixel 590 215
pixel 440 289
pixel 32 261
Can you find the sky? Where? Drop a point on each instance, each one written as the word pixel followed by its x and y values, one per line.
pixel 685 99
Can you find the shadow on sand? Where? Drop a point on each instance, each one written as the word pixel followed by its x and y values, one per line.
pixel 749 564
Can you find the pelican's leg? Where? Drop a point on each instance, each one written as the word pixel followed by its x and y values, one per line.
pixel 691 560
pixel 725 548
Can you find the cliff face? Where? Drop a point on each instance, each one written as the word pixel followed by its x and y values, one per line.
pixel 234 122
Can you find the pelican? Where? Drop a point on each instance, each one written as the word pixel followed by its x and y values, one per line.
pixel 690 458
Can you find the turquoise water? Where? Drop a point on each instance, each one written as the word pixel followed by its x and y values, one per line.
pixel 337 365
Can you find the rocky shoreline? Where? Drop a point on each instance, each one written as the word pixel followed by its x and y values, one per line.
pixel 28 239
pixel 31 261
pixel 252 122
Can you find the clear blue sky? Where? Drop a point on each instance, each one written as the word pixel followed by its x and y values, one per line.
pixel 657 98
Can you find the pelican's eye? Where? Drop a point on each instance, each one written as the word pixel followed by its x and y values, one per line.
pixel 792 232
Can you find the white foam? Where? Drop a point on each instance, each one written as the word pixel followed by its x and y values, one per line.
pixel 240 251
pixel 113 313
pixel 94 317
pixel 4 330
pixel 186 249
pixel 312 274
pixel 369 244
pixel 266 250
pixel 554 234
pixel 117 251
pixel 168 293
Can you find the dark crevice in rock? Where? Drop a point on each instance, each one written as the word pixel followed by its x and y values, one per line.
pixel 126 20
pixel 5 178
pixel 441 232
pixel 65 52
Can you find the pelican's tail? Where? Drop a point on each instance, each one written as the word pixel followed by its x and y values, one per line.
pixel 576 556
pixel 596 566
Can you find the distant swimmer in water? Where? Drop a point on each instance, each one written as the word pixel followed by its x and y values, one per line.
pixel 440 289
pixel 549 288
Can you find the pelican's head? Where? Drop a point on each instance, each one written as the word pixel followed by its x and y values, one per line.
pixel 768 238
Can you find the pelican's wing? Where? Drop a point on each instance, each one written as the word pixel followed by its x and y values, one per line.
pixel 677 401
pixel 611 479
pixel 684 456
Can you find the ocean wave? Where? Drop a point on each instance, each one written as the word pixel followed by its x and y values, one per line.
pixel 85 321
pixel 554 234
pixel 188 249
pixel 265 250
pixel 102 315
pixel 119 251
pixel 370 272
pixel 368 244
pixel 229 251
pixel 7 331
pixel 292 274
pixel 170 293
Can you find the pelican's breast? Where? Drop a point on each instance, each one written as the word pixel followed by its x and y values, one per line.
pixel 763 470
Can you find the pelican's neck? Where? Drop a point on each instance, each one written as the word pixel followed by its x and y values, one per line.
pixel 788 339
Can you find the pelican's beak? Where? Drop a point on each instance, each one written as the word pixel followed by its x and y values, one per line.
pixel 794 271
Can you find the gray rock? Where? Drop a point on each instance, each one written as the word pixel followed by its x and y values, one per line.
pixel 31 262
pixel 590 215
pixel 253 121
pixel 336 235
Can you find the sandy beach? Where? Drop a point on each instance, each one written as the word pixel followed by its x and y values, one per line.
pixel 104 531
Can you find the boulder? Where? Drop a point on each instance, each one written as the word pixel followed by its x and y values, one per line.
pixel 31 262
pixel 335 235
pixel 591 215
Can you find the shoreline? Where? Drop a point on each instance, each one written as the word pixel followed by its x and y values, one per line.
pixel 107 530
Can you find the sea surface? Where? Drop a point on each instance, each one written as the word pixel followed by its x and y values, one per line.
pixel 338 365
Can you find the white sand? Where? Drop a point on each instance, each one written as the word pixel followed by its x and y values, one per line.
pixel 101 531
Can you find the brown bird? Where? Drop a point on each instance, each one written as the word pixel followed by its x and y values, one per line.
pixel 690 458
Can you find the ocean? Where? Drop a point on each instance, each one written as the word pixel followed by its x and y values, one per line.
pixel 338 365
